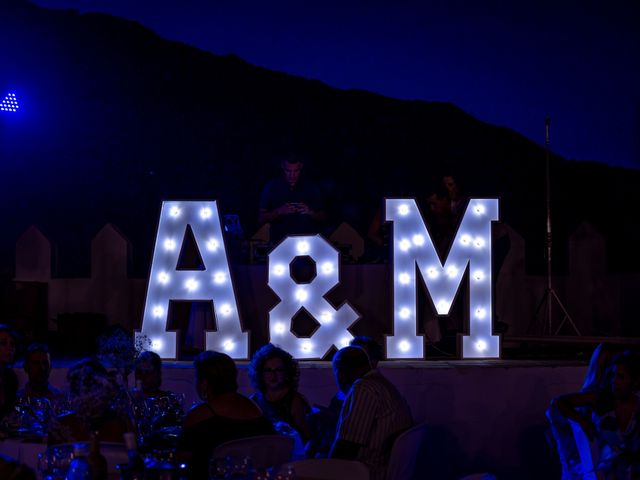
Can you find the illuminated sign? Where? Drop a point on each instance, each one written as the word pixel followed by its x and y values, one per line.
pixel 413 254
pixel 167 283
pixel 413 247
pixel 333 324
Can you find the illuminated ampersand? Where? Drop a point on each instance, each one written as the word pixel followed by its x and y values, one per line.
pixel 412 245
pixel 214 284
pixel 333 323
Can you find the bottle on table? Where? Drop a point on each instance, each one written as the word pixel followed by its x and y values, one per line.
pixel 135 468
pixel 97 461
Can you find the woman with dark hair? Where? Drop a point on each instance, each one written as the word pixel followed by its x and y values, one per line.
pixel 274 374
pixel 223 415
pixel 91 396
pixel 8 378
pixel 615 421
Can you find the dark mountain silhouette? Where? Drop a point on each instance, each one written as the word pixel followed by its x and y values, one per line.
pixel 114 118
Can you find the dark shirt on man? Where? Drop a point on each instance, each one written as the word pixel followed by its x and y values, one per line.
pixel 278 192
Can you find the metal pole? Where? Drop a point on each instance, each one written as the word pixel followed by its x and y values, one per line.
pixel 547 124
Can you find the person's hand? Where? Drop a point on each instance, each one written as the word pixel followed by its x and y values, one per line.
pixel 303 209
pixel 286 209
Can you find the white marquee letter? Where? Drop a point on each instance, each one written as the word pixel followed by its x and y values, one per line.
pixel 211 284
pixel 333 323
pixel 412 245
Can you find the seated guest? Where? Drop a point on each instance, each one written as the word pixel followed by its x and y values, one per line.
pixel 148 372
pixel 153 408
pixel 373 415
pixel 223 415
pixel 91 395
pixel 323 420
pixel 274 373
pixel 612 418
pixel 8 378
pixel 37 366
pixel 597 379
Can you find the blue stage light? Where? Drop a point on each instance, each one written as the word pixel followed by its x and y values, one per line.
pixel 10 103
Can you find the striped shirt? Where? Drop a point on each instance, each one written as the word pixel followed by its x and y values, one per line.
pixel 373 414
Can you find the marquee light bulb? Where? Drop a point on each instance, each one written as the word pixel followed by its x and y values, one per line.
pixel 206 213
pixel 432 272
pixel 279 328
pixel 403 209
pixel 303 247
pixel 466 240
pixel 174 212
pixel 404 278
pixel 158 311
pixel 326 317
pixel 191 285
pixel 225 309
pixel 479 242
pixel 478 275
pixel 478 209
pixel 481 345
pixel 343 342
pixel 418 240
pixel 169 244
pixel 157 344
pixel 219 277
pixel 228 345
pixel 481 313
pixel 306 347
pixel 327 268
pixel 279 269
pixel 404 346
pixel 404 245
pixel 452 271
pixel 212 244
pixel 404 313
pixel 301 295
pixel 163 278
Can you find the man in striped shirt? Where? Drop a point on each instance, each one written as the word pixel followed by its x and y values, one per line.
pixel 373 415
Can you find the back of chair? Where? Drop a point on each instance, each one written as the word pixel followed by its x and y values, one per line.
pixel 264 450
pixel 404 454
pixel 330 469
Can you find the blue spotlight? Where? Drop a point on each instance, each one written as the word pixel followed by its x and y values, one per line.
pixel 9 104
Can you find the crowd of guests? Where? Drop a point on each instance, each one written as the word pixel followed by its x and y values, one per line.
pixel 361 422
pixel 364 417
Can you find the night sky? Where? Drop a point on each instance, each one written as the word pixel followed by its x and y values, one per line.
pixel 507 63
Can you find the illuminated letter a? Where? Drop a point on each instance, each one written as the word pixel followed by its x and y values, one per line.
pixel 214 284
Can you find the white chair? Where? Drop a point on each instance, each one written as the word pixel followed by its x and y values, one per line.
pixel 404 454
pixel 330 469
pixel 264 450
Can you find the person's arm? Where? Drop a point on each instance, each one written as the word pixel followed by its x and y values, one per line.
pixel 266 216
pixel 299 410
pixel 568 406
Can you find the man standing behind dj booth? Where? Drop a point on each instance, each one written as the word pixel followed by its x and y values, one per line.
pixel 291 204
